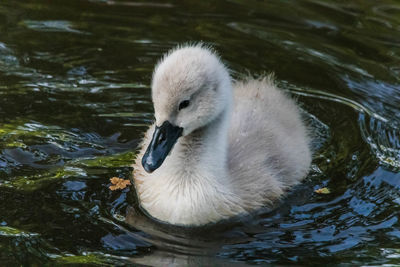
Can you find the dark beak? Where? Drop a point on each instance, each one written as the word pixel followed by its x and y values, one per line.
pixel 164 139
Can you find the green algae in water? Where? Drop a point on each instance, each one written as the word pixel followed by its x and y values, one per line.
pixel 112 161
pixel 73 169
pixel 83 259
pixel 13 232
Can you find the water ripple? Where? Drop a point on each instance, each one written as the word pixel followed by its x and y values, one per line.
pixel 51 26
pixel 383 140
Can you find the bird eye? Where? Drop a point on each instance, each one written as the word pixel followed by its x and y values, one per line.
pixel 184 104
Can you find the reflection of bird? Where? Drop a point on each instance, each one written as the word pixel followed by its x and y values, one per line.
pixel 216 151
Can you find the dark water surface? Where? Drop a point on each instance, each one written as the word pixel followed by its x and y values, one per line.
pixel 75 98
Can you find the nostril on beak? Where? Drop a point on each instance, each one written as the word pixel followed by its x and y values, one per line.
pixel 161 137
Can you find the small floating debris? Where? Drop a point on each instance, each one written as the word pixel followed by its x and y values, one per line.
pixel 323 190
pixel 118 183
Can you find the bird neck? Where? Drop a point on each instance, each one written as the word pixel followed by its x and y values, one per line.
pixel 204 151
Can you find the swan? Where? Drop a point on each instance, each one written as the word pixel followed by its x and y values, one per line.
pixel 217 148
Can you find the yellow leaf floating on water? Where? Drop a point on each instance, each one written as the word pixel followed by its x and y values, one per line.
pixel 324 190
pixel 119 183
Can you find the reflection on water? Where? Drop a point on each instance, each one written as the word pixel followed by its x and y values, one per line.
pixel 75 100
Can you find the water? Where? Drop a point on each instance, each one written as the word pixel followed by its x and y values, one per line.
pixel 75 99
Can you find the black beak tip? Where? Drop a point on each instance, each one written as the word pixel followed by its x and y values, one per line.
pixel 148 167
